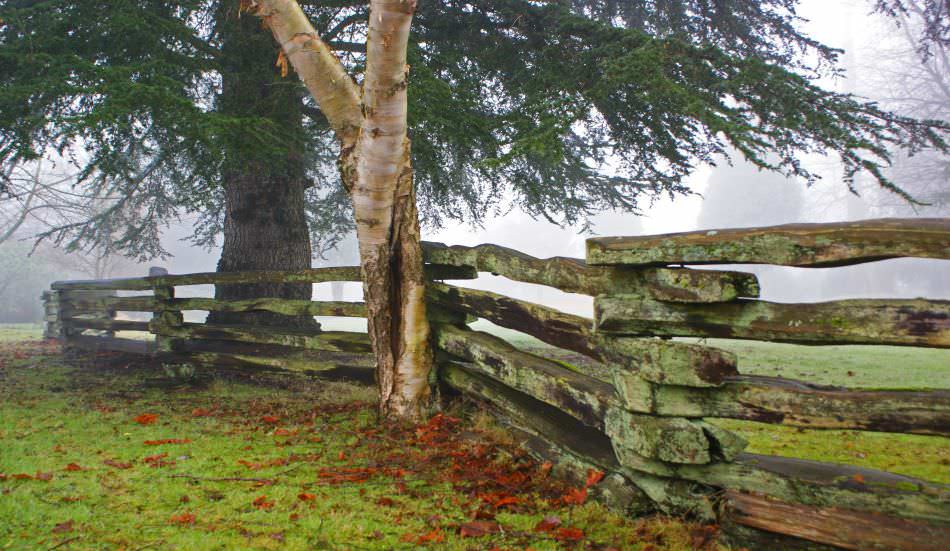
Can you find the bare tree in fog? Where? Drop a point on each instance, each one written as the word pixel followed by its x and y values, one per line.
pixel 912 76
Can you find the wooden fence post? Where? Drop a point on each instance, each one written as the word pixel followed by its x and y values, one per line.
pixel 52 317
pixel 164 317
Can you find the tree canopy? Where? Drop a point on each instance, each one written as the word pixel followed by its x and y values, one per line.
pixel 561 108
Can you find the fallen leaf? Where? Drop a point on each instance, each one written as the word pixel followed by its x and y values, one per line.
pixel 858 478
pixel 569 534
pixel 593 477
pixel 479 528
pixel 200 412
pixel 184 518
pixel 385 502
pixel 167 441
pixel 434 536
pixel 510 500
pixel 43 476
pixel 306 497
pixel 575 496
pixel 262 503
pixel 63 527
pixel 117 464
pixel 72 467
pixel 270 419
pixel 146 418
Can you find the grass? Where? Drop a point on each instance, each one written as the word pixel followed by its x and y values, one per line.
pixel 273 462
pixel 866 367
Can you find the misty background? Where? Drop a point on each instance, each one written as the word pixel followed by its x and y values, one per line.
pixel 881 64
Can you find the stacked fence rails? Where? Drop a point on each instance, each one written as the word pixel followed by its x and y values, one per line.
pixel 644 414
pixel 646 423
pixel 77 308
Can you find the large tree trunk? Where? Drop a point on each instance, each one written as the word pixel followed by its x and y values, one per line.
pixel 265 224
pixel 265 228
pixel 375 166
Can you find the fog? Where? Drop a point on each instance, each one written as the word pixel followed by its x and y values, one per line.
pixel 728 195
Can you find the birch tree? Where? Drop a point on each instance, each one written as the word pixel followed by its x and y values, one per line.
pixel 375 166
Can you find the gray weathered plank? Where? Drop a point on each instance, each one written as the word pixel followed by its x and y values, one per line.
pixel 334 341
pixel 311 275
pixel 583 397
pixel 835 244
pixel 799 404
pixel 287 307
pixel 574 276
pixel 871 321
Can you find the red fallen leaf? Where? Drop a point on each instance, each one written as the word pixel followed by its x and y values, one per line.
pixel 306 497
pixel 510 500
pixel 575 496
pixel 593 477
pixel 569 534
pixel 282 432
pixel 184 518
pixel 167 441
pixel 270 419
pixel 294 516
pixel 21 476
pixel 858 478
pixel 117 464
pixel 262 503
pixel 385 502
pixel 546 468
pixel 43 476
pixel 341 456
pixel 200 412
pixel 156 461
pixel 434 536
pixel 479 528
pixel 63 527
pixel 146 418
pixel 72 467
pixel 547 524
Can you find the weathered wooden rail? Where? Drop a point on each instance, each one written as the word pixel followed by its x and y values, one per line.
pixel 643 417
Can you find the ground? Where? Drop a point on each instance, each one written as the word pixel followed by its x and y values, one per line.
pixel 118 456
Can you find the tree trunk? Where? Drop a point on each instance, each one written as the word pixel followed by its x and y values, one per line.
pixel 265 224
pixel 387 223
pixel 375 166
pixel 265 228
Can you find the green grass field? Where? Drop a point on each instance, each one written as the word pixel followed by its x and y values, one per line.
pixel 116 456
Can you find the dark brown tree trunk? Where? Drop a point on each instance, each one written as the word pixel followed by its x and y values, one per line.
pixel 265 223
pixel 265 228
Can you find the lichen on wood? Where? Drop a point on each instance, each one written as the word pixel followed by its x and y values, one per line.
pixel 281 306
pixel 334 341
pixel 668 362
pixel 583 397
pixel 575 276
pixel 546 324
pixel 669 439
pixel 912 322
pixel 818 245
pixel 800 404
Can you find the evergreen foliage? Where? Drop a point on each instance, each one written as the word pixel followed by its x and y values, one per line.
pixel 561 108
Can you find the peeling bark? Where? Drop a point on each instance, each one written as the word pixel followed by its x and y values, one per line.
pixel 375 168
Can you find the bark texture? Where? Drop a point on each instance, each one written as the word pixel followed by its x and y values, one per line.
pixel 265 223
pixel 387 223
pixel 375 167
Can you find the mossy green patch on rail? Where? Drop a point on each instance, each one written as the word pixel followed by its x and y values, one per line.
pixel 114 455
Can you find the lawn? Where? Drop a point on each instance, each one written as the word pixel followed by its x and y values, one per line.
pixel 114 456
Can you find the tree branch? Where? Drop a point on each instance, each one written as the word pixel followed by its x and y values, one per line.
pixel 317 66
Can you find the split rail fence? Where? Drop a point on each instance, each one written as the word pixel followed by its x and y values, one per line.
pixel 642 418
